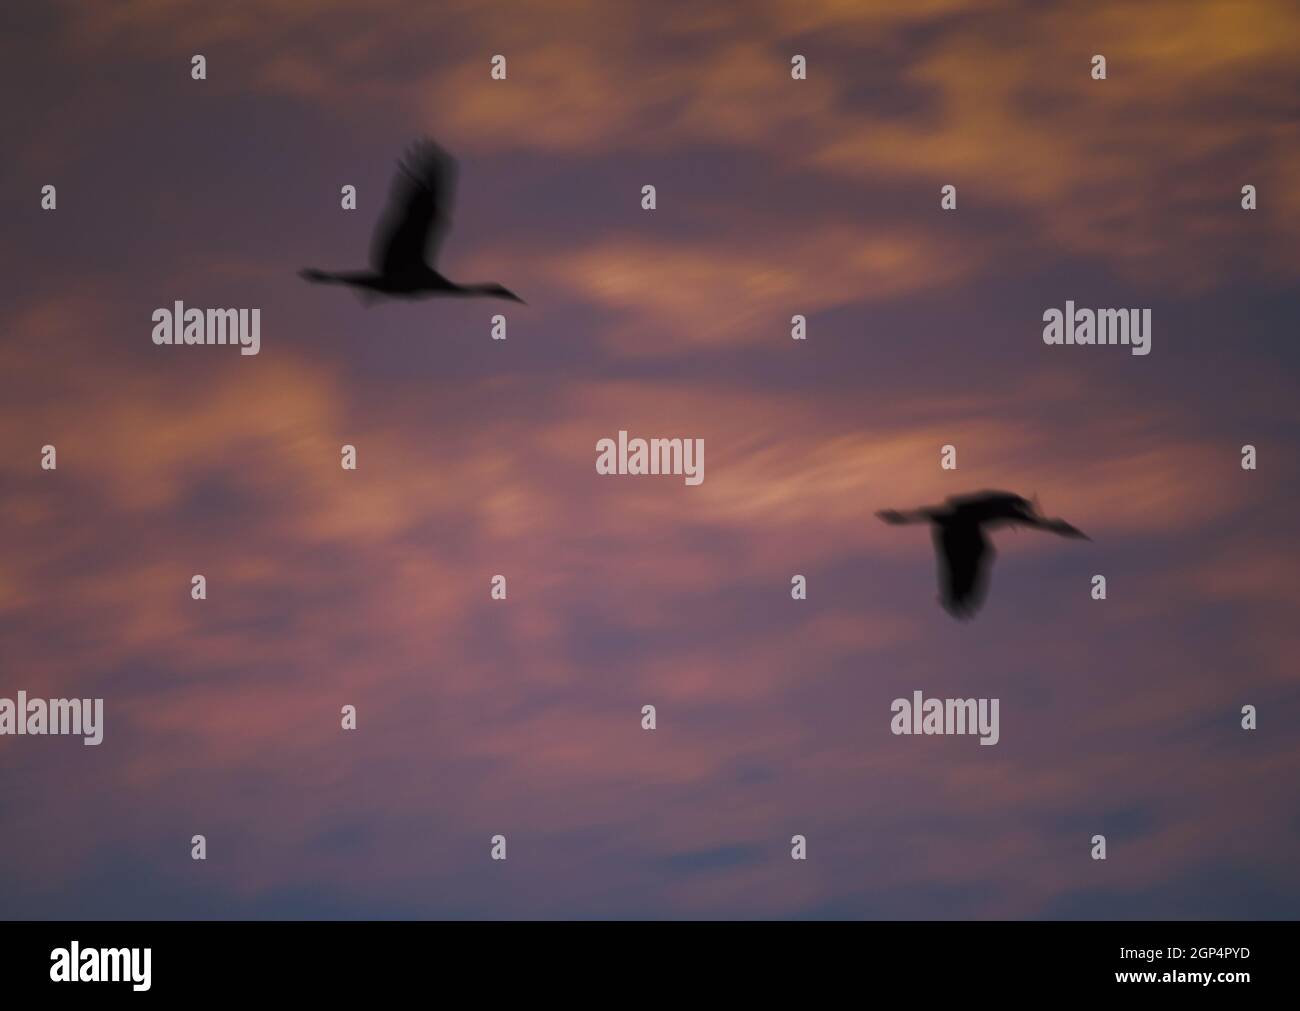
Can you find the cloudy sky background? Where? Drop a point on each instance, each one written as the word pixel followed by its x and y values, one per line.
pixel 477 457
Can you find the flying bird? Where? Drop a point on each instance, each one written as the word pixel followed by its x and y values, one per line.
pixel 409 234
pixel 960 542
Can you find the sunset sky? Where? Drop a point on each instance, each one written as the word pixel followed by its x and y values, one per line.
pixel 476 457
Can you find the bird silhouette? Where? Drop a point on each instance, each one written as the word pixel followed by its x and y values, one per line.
pixel 409 234
pixel 965 554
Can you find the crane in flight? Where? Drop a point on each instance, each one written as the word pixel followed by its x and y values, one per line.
pixel 964 551
pixel 410 233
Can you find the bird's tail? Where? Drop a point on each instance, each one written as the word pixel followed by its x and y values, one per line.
pixel 319 276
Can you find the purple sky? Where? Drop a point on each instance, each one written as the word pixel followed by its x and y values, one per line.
pixel 775 197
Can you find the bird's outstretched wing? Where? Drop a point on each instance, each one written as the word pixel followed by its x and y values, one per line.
pixel 965 556
pixel 418 213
